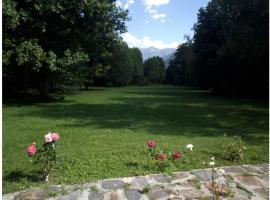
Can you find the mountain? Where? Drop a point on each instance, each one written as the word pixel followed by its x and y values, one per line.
pixel 166 54
pixel 168 58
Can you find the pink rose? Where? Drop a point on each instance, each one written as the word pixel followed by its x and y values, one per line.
pixel 31 149
pixel 55 136
pixel 161 156
pixel 48 138
pixel 151 143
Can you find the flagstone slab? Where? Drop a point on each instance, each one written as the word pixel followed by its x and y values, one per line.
pixel 96 196
pixel 246 182
pixel 32 195
pixel 204 175
pixel 249 180
pixel 234 170
pixel 133 194
pixel 160 178
pixel 157 193
pixel 112 184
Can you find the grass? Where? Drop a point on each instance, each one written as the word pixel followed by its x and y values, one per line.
pixel 104 132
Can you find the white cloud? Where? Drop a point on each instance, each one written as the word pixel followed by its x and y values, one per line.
pixel 159 16
pixel 118 3
pixel 125 6
pixel 152 11
pixel 133 41
pixel 150 3
pixel 128 3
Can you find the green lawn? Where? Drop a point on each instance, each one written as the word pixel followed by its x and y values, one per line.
pixel 104 132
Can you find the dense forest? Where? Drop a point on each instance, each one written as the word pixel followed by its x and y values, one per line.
pixel 54 44
pixel 229 52
pixel 50 45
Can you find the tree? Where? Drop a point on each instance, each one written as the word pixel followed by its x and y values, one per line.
pixel 137 66
pixel 154 70
pixel 121 71
pixel 181 68
pixel 39 36
pixel 231 46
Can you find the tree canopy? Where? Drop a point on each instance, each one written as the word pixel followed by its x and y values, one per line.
pixel 229 50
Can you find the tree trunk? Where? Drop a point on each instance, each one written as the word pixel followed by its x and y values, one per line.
pixel 44 83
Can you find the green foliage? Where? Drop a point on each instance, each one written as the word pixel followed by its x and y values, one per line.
pixel 231 46
pixel 105 129
pixel 154 70
pixel 234 151
pixel 229 50
pixel 29 53
pixel 137 66
pixel 51 39
pixel 46 158
pixel 181 69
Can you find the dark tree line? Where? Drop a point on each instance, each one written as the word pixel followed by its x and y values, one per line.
pixel 229 50
pixel 49 44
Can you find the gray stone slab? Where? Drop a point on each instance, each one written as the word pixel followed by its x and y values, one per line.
pixel 265 168
pixel 112 184
pixel 180 175
pixel 262 192
pixel 204 175
pixel 71 196
pixel 234 170
pixel 250 180
pixel 32 195
pixel 191 193
pixel 95 196
pixel 157 193
pixel 133 194
pixel 139 181
pixel 160 178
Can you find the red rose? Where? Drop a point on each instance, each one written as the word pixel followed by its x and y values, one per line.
pixel 151 143
pixel 161 156
pixel 31 149
pixel 176 155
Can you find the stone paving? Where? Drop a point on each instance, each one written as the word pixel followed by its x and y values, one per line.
pixel 242 182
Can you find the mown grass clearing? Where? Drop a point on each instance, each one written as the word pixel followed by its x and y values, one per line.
pixel 104 132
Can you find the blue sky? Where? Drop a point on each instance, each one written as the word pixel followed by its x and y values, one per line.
pixel 160 23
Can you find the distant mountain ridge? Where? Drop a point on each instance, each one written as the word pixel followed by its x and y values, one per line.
pixel 165 54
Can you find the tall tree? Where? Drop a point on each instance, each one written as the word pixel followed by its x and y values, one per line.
pixel 231 46
pixel 121 71
pixel 48 37
pixel 137 66
pixel 154 70
pixel 181 68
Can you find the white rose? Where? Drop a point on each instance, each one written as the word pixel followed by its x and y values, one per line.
pixel 189 147
pixel 211 163
pixel 48 138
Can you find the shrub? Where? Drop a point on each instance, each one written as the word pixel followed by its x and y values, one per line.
pixel 234 151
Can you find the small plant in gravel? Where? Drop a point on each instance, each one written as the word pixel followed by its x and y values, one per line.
pixel 216 181
pixel 164 159
pixel 234 151
pixel 45 156
pixel 146 189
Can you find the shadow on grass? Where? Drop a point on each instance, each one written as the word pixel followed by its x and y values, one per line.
pixel 16 176
pixel 166 111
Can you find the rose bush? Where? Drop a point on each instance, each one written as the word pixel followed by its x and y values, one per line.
pixel 163 158
pixel 45 156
